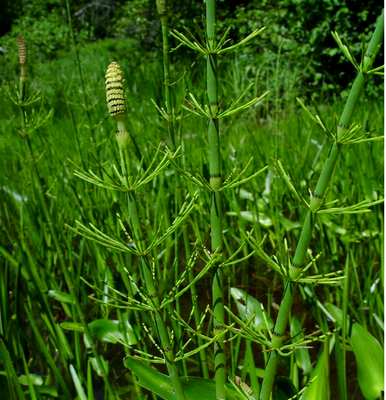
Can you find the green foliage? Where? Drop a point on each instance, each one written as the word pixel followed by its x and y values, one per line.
pixel 298 38
pixel 250 310
pixel 318 387
pixel 45 29
pixel 160 384
pixel 369 356
pixel 72 310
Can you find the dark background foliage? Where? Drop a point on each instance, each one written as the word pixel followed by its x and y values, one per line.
pixel 299 31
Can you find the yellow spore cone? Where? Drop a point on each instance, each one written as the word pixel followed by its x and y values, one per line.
pixel 116 101
pixel 115 95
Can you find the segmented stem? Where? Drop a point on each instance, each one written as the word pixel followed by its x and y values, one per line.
pixel 316 203
pixel 163 14
pixel 151 290
pixel 215 209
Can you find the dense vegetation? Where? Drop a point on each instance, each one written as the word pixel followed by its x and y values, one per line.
pixel 298 38
pixel 132 261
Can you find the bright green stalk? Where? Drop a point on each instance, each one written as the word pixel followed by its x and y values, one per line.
pixel 162 11
pixel 148 277
pixel 251 368
pixel 215 183
pixel 340 346
pixel 316 203
pixel 196 313
pixel 163 14
pixel 150 287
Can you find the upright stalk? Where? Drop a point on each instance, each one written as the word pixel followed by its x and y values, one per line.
pixel 116 104
pixel 152 292
pixel 163 14
pixel 316 202
pixel 215 183
pixel 162 9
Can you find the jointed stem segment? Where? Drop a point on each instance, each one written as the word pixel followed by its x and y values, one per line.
pixel 152 293
pixel 316 203
pixel 162 11
pixel 216 207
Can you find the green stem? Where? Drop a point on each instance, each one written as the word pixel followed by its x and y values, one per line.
pixel 215 210
pixel 152 292
pixel 86 102
pixel 249 360
pixel 316 202
pixel 22 82
pixel 196 313
pixel 166 65
pixel 163 14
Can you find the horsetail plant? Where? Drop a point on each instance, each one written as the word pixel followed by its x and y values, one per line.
pixel 216 207
pixel 115 98
pixel 116 105
pixel 136 271
pixel 162 9
pixel 171 120
pixel 315 205
pixel 211 50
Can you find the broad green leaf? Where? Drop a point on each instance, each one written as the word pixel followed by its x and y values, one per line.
pixel 111 331
pixel 369 359
pixel 161 385
pixel 34 379
pixel 302 355
pixel 289 225
pixel 335 312
pixel 318 388
pixel 106 330
pixel 250 309
pixel 251 216
pixel 150 378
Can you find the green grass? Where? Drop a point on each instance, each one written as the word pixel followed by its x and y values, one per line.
pixel 53 279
